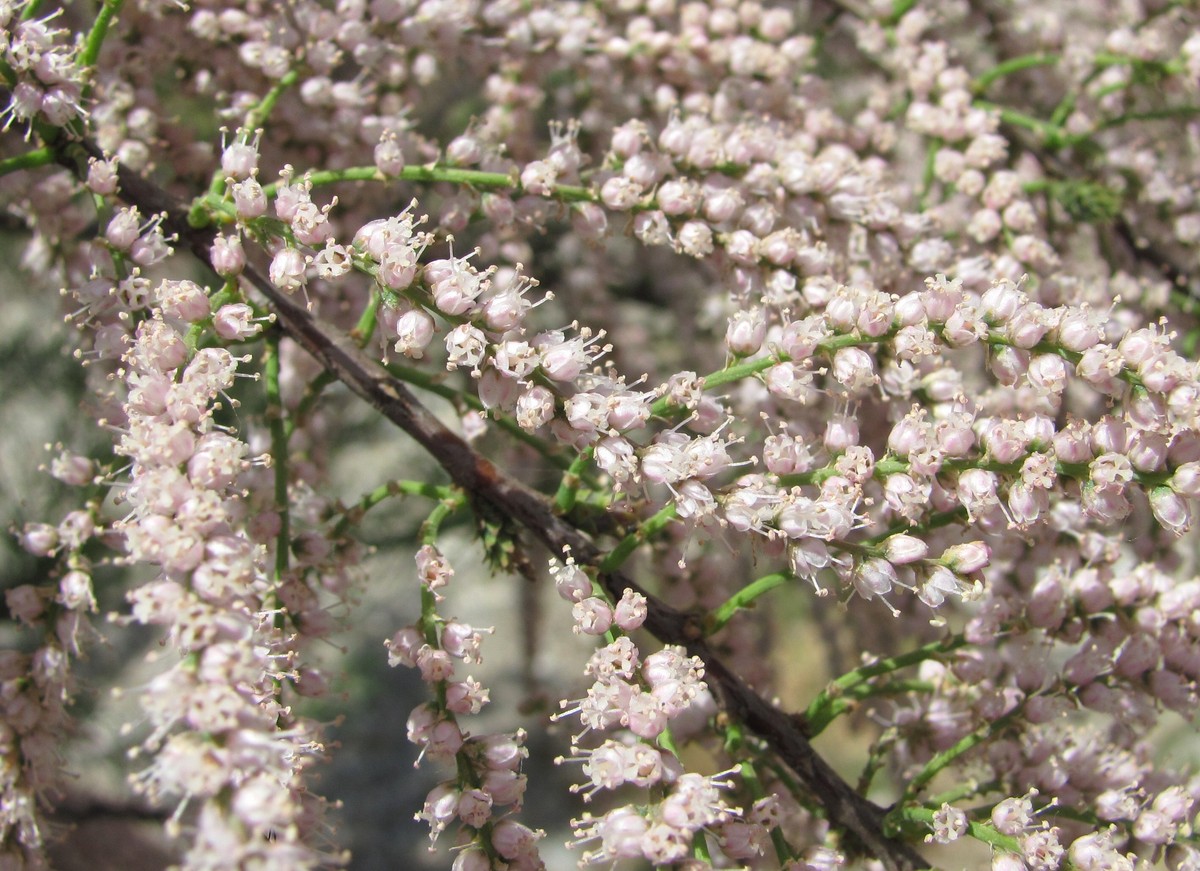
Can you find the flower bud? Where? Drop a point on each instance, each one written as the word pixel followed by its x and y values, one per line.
pixel 902 549
pixel 966 558
pixel 746 331
pixel 1186 480
pixel 1171 510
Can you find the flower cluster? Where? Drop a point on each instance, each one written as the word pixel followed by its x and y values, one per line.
pixel 222 736
pixel 36 688
pixel 488 775
pixel 49 76
pixel 1128 653
pixel 646 698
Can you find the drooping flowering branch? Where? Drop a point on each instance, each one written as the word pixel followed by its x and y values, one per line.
pixel 479 477
pixel 939 391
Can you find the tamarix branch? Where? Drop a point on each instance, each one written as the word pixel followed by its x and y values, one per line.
pixel 832 361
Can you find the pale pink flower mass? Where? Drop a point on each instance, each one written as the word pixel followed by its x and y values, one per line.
pixel 850 340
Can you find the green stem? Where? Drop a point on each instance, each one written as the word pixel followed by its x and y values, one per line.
pixel 308 401
pixel 996 337
pixel 1052 135
pixel 718 378
pixel 384 492
pixel 568 488
pixel 279 453
pixel 743 599
pixel 427 535
pixel 749 775
pixel 361 335
pixel 365 328
pixel 964 790
pixel 927 174
pixel 196 332
pixel 923 817
pixel 891 465
pixel 1165 113
pixel 942 760
pixel 1013 65
pixel 279 463
pixel 28 160
pixel 667 742
pixel 257 116
pixel 876 760
pixel 1064 108
pixel 748 368
pixel 839 687
pixel 433 523
pixel 934 521
pixel 850 700
pixel 215 202
pixel 899 9
pixel 834 343
pixel 438 173
pixel 1190 341
pixel 647 530
pixel 95 38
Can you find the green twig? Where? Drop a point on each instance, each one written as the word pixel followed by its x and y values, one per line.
pixel 1010 66
pixel 308 401
pixel 433 523
pixel 647 530
pixel 928 174
pixel 279 463
pixel 663 404
pixel 923 817
pixel 95 38
pixel 961 791
pixel 1162 114
pixel 367 321
pixel 428 536
pixel 382 493
pixel 737 746
pixel 749 775
pixel 32 8
pixel 1053 136
pixel 900 8
pixel 475 178
pixel 933 521
pixel 197 331
pixel 827 698
pixel 279 452
pixel 746 369
pixel 742 599
pixel 361 334
pixel 942 760
pixel 876 760
pixel 29 160
pixel 568 488
pixel 258 115
pixel 850 700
